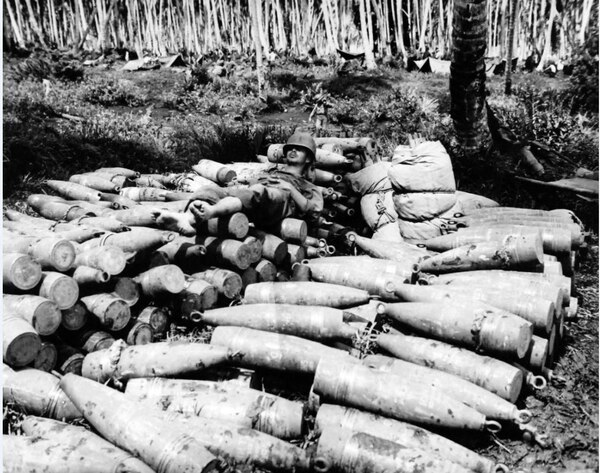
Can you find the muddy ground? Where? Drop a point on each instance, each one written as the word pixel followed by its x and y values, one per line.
pixel 566 411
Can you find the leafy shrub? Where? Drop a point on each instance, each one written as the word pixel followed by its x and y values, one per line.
pixel 545 116
pixel 41 66
pixel 111 92
pixel 584 82
pixel 198 77
pixel 398 113
pixel 344 111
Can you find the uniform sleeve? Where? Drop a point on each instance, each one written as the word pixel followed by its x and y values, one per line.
pixel 315 199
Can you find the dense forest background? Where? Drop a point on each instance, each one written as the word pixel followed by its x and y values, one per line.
pixel 548 30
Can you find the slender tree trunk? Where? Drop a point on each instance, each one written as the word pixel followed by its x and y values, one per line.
pixel 87 29
pixel 215 21
pixel 265 26
pixel 282 44
pixel 13 23
pixel 400 37
pixel 384 42
pixel 369 58
pixel 547 51
pixel 538 24
pixel 513 4
pixel 103 33
pixel 585 19
pixel 367 5
pixel 423 30
pixel 467 72
pixel 34 23
pixel 328 29
pixel 52 22
pixel 260 30
pixel 254 17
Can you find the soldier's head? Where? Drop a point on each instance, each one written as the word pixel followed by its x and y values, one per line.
pixel 300 149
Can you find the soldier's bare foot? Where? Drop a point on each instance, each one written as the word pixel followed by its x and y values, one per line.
pixel 176 222
pixel 202 210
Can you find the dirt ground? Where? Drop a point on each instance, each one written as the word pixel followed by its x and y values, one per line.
pixel 567 410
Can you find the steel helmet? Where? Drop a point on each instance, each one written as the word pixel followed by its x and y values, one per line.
pixel 302 140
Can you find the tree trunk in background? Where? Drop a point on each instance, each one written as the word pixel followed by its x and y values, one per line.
pixel 204 26
pixel 34 24
pixel 15 27
pixel 262 34
pixel 369 57
pixel 467 72
pixel 548 37
pixel 254 12
pixel 513 5
pixel 587 12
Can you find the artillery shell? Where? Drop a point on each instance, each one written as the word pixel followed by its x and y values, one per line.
pixel 108 259
pixel 468 324
pixel 228 283
pixel 20 342
pixel 494 375
pixel 228 402
pixel 163 446
pixel 59 288
pixel 350 383
pixel 331 416
pixel 43 314
pixel 74 317
pixel 154 359
pixel 155 317
pixel 259 349
pixel 112 312
pixel 38 393
pixel 80 448
pixel 489 404
pixel 315 323
pixel 273 248
pixel 348 451
pixel 161 280
pixel 20 271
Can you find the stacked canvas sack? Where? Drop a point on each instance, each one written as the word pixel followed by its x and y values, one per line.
pixel 376 204
pixel 465 203
pixel 424 189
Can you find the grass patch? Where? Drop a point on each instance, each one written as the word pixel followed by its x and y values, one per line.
pixel 112 92
pixel 357 86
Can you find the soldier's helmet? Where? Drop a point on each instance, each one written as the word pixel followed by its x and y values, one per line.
pixel 302 140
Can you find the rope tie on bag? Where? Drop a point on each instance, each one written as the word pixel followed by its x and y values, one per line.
pixel 382 210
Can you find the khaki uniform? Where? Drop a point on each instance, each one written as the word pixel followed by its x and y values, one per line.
pixel 264 202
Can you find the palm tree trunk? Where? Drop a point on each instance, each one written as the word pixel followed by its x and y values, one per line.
pixel 254 17
pixel 13 23
pixel 513 5
pixel 424 19
pixel 400 31
pixel 467 72
pixel 369 58
pixel 34 24
pixel 548 36
pixel 262 34
pixel 585 19
pixel 367 4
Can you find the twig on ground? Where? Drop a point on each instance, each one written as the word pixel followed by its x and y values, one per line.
pixel 500 444
pixel 594 421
